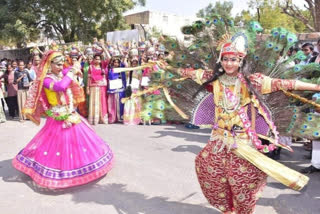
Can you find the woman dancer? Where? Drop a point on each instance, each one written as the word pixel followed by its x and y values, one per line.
pixel 96 89
pixel 66 152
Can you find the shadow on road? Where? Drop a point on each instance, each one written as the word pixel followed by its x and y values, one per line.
pixel 296 159
pixel 306 201
pixel 191 135
pixel 115 195
pixel 188 148
pixel 128 202
pixel 291 202
pixel 183 128
pixel 9 174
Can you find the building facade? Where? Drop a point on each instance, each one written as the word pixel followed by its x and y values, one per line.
pixel 164 23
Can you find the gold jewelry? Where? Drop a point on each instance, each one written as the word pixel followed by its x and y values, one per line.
pixel 228 80
pixel 231 106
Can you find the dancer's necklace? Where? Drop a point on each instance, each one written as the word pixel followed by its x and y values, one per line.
pixel 228 80
pixel 231 104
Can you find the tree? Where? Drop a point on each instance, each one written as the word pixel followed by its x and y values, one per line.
pixel 310 19
pixel 16 25
pixel 69 20
pixel 223 9
pixel 257 4
pixel 245 17
pixel 270 15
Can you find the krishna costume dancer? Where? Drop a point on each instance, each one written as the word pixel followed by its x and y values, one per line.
pixel 228 169
pixel 231 169
pixel 66 152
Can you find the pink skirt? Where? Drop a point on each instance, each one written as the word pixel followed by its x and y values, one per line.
pixel 60 157
pixel 98 109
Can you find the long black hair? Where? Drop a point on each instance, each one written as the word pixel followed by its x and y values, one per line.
pixel 102 68
pixel 112 63
pixel 128 91
pixel 218 71
pixel 7 71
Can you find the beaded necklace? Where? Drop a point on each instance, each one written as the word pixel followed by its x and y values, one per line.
pixel 228 80
pixel 231 100
pixel 251 132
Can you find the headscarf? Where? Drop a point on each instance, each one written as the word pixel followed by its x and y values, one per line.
pixel 36 103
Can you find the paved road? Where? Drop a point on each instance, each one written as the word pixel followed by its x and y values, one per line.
pixel 153 174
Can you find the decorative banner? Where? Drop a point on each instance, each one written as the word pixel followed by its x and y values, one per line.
pixel 124 35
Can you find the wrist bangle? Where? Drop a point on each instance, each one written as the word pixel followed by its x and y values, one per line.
pixel 199 74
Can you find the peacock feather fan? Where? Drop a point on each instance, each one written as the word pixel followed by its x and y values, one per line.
pixel 202 48
pixel 269 55
pixel 266 54
pixel 305 125
pixel 301 71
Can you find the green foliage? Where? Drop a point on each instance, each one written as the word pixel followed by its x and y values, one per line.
pixel 309 15
pixel 72 20
pixel 270 15
pixel 155 33
pixel 244 17
pixel 222 8
pixel 17 25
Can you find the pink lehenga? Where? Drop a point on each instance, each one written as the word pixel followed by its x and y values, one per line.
pixel 98 109
pixel 66 152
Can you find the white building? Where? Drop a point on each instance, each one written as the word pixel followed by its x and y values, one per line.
pixel 165 23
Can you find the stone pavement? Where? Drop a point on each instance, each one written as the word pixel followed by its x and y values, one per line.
pixel 153 174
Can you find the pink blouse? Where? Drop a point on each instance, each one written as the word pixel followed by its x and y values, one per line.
pixel 58 86
pixel 11 88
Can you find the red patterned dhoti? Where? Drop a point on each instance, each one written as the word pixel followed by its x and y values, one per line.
pixel 229 182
